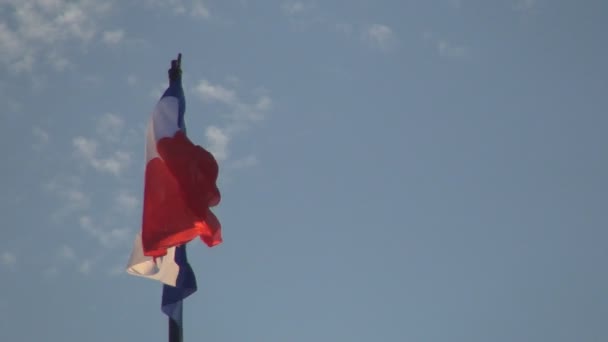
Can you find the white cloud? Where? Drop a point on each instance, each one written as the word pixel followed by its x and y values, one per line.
pixel 110 126
pixel 11 105
pixel 443 47
pixel 210 93
pixel 66 253
pixel 8 259
pixel 68 256
pixel 293 7
pixel 85 266
pixel 199 10
pixel 245 162
pixel 58 62
pixel 379 35
pixel 116 270
pixel 115 164
pixel 241 114
pixel 105 237
pixel 113 37
pixel 76 196
pixel 126 202
pixel 33 29
pixel 264 103
pixel 195 8
pixel 218 142
pixel 69 192
pixel 105 152
pixel 26 63
pixel 10 44
pixel 87 150
pixel 131 80
pixel 85 147
pixel 233 80
pixel 241 111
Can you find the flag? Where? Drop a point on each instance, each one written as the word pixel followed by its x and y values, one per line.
pixel 179 190
pixel 180 181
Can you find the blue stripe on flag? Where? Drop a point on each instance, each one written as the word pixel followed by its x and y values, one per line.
pixel 185 286
pixel 175 89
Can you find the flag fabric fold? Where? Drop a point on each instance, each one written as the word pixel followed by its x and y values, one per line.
pixel 184 287
pixel 180 181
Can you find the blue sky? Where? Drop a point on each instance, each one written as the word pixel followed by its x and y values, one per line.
pixel 390 170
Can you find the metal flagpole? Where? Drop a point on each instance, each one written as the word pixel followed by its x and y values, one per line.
pixel 176 333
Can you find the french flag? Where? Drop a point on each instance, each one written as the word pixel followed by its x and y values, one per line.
pixel 179 190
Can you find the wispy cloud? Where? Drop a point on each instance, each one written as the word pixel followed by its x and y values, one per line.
pixel 62 255
pixel 444 47
pixel 116 270
pixel 306 14
pixel 113 37
pixel 293 7
pixel 110 126
pixel 210 92
pixel 106 237
pixel 8 259
pixel 193 8
pixel 67 256
pixel 239 115
pixel 131 80
pixel 199 10
pixel 85 266
pixel 100 227
pixel 126 202
pixel 248 161
pixel 66 252
pixel 72 198
pixel 447 49
pixel 87 150
pixel 11 105
pixel 218 142
pixel 240 112
pixel 35 28
pixel 380 35
pixel 105 150
pixel 58 61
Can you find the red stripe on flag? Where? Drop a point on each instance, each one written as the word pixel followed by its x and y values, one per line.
pixel 180 187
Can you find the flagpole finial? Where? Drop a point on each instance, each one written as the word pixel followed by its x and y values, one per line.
pixel 175 72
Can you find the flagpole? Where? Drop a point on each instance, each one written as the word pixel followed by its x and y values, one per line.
pixel 176 331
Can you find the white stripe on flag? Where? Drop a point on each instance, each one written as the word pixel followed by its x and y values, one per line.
pixel 163 124
pixel 164 269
